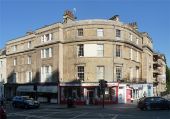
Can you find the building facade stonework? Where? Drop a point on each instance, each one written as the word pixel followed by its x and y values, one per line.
pixel 68 59
pixel 2 72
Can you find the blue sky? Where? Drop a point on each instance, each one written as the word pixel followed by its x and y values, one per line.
pixel 19 16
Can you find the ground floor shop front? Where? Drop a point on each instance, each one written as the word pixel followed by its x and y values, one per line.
pixel 90 93
pixel 142 90
pixel 82 93
pixel 43 92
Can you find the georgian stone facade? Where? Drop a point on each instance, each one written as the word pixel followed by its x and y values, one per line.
pixel 84 52
pixel 2 72
pixel 159 73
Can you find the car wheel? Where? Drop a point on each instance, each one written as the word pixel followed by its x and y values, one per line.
pixel 148 107
pixel 26 106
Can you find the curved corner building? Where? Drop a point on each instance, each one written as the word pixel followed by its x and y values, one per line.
pixel 69 59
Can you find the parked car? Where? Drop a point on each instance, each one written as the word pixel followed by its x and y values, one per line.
pixel 2 113
pixel 148 103
pixel 24 102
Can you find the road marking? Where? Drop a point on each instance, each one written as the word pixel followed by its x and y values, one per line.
pixel 115 117
pixel 79 115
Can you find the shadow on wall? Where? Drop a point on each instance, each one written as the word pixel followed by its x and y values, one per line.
pixel 12 78
pixel 12 82
pixel 54 78
pixel 69 91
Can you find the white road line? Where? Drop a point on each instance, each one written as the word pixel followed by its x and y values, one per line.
pixel 115 117
pixel 79 115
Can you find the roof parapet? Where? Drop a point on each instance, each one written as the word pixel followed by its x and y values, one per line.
pixel 29 32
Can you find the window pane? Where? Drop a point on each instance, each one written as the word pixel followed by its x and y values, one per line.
pixel 118 73
pixel 80 32
pixel 47 52
pixel 117 33
pixel 47 37
pixel 29 44
pixel 80 49
pixel 80 72
pixel 100 72
pixel 100 50
pixel 118 50
pixel 100 32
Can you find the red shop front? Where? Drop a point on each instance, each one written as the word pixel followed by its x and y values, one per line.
pixel 88 93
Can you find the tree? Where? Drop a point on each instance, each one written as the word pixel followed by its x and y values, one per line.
pixel 168 78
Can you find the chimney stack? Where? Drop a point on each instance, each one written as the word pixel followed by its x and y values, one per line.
pixel 115 18
pixel 134 25
pixel 68 16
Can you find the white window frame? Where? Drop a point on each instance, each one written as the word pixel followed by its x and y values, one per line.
pixel 131 37
pixel 100 32
pixel 100 50
pixel 80 50
pixel 46 53
pixel 118 51
pixel 137 56
pixel 100 71
pixel 80 72
pixel 44 38
pixel 137 73
pixel 46 76
pixel 118 33
pixel 15 62
pixel 80 32
pixel 131 54
pixel 29 76
pixel 137 41
pixel 131 73
pixel 29 60
pixel 29 44
pixel 15 48
pixel 118 73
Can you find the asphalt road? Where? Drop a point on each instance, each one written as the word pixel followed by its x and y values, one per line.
pixel 119 111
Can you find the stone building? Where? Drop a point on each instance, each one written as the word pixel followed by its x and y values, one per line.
pixel 68 59
pixel 2 72
pixel 159 73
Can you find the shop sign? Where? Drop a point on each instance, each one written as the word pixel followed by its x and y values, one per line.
pixel 25 89
pixel 47 89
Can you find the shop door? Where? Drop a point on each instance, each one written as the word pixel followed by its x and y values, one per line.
pixel 114 94
pixel 90 96
pixel 121 95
